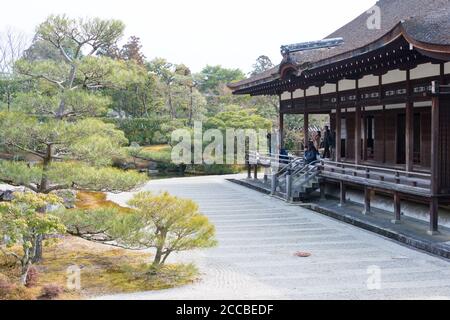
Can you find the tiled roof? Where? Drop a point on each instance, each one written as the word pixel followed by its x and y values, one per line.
pixel 426 21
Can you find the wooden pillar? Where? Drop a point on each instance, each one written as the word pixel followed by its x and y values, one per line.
pixel 397 208
pixel 281 128
pixel 384 134
pixel 357 135
pixel 357 126
pixel 255 168
pixel 338 130
pixel 434 220
pixel 364 134
pixel 435 159
pixel 367 196
pixel 322 191
pixel 409 136
pixel 342 193
pixel 306 122
pixel 249 170
pixel 380 94
pixel 320 96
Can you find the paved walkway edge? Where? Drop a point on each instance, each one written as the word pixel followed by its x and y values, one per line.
pixel 438 249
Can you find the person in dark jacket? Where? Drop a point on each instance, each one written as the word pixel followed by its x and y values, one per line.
pixel 284 156
pixel 311 153
pixel 327 143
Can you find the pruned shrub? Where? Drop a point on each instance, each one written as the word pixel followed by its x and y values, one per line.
pixel 51 292
pixel 6 287
pixel 12 291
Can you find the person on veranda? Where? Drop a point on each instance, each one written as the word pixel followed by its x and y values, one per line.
pixel 311 154
pixel 328 143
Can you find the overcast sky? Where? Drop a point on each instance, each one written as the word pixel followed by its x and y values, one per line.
pixel 232 33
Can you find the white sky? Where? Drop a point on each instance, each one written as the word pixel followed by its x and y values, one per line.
pixel 232 33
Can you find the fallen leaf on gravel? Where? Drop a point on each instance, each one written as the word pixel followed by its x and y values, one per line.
pixel 302 254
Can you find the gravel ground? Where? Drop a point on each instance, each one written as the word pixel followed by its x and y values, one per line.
pixel 258 237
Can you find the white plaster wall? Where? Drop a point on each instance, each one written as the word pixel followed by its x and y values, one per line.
pixel 312 91
pixel 286 95
pixel 299 93
pixel 329 88
pixel 422 104
pixel 347 85
pixel 394 76
pixel 395 106
pixel 368 81
pixel 447 68
pixel 425 70
pixel 374 108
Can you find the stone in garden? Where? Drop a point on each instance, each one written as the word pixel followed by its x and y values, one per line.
pixel 152 165
pixel 6 195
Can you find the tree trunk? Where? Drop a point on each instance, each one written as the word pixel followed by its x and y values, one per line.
pixel 172 110
pixel 161 240
pixel 9 100
pixel 43 187
pixel 62 104
pixel 24 274
pixel 191 106
pixel 156 261
pixel 166 255
pixel 61 109
pixel 38 250
pixel 26 263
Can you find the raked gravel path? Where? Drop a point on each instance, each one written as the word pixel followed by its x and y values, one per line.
pixel 258 237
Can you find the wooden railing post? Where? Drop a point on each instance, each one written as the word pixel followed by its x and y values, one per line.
pixel 273 185
pixel 342 197
pixel 289 184
pixel 249 167
pixel 435 178
pixel 397 208
pixel 367 196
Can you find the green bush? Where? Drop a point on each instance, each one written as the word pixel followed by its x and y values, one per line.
pixel 147 131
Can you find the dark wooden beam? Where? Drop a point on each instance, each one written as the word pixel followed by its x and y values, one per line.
pixel 434 216
pixel 397 208
pixel 409 134
pixel 306 121
pixel 320 96
pixel 367 198
pixel 435 139
pixel 435 158
pixel 342 194
pixel 338 127
pixel 281 130
pixel 364 134
pixel 384 134
pixel 357 126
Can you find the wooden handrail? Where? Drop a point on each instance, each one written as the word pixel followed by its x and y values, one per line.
pixel 364 167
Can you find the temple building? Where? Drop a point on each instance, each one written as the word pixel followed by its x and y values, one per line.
pixel 383 80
